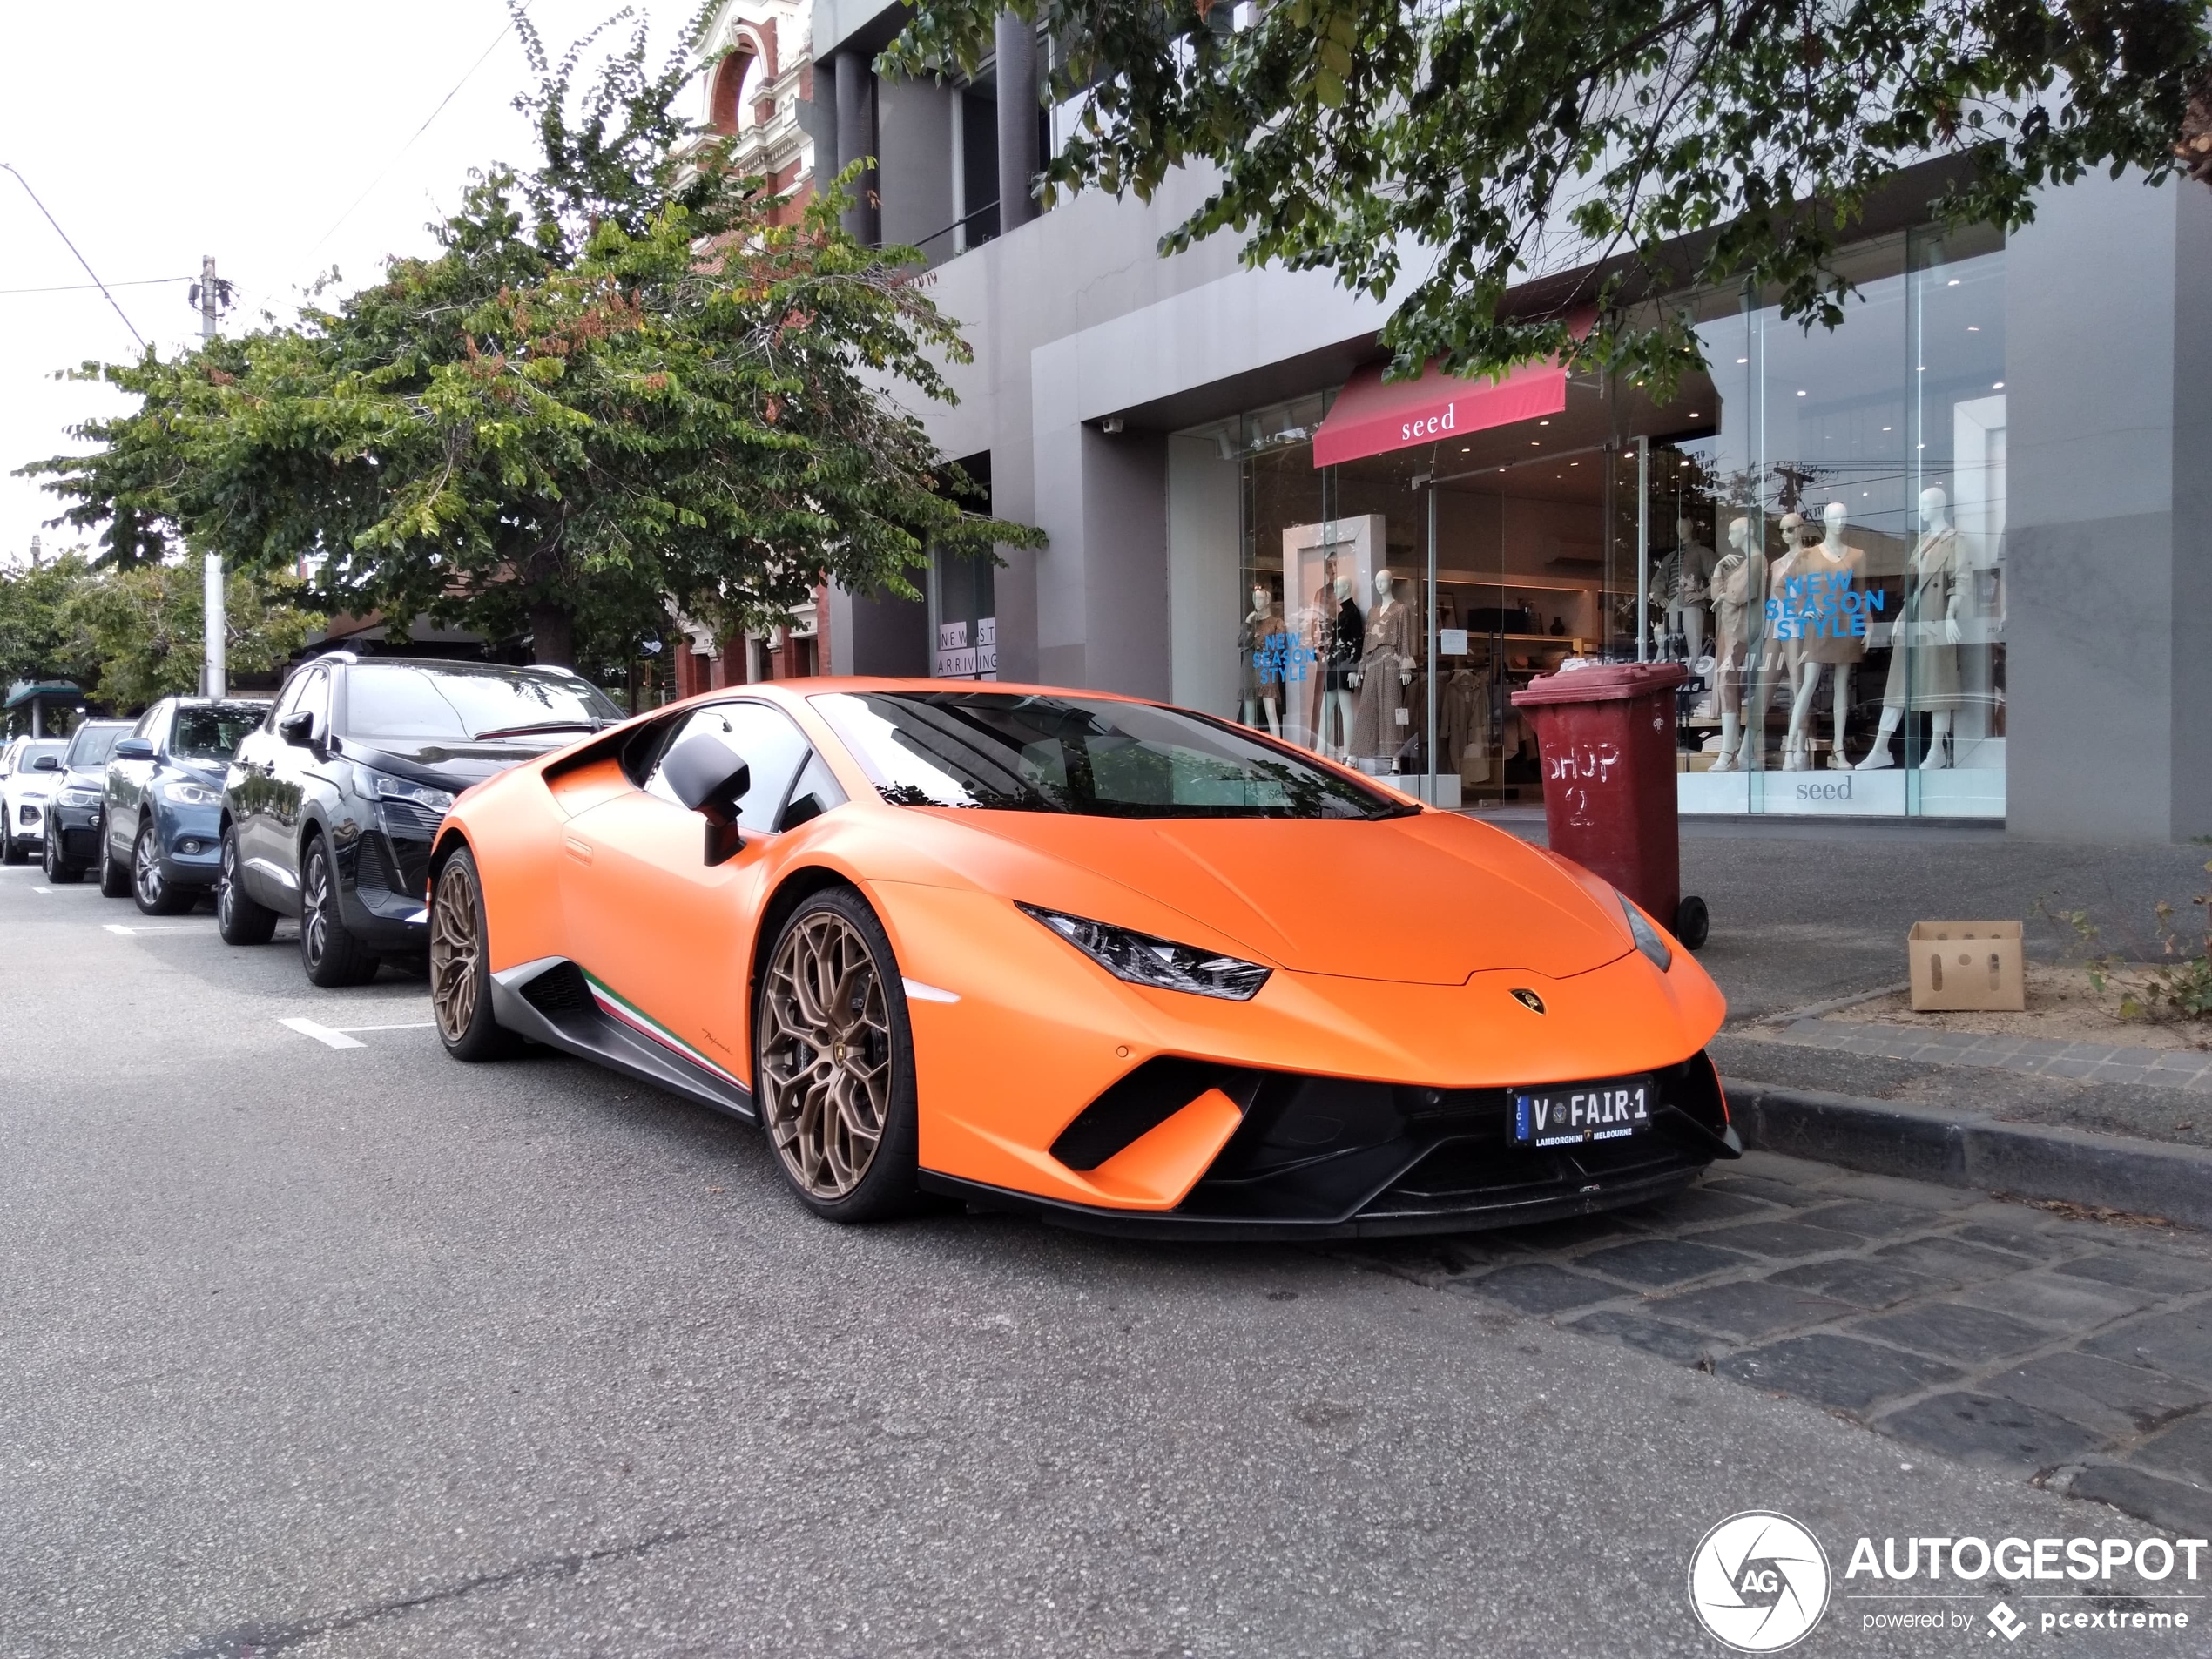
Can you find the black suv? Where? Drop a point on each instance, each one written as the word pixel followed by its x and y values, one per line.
pixel 331 803
pixel 73 810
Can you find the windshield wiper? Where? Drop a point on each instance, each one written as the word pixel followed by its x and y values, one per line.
pixel 543 726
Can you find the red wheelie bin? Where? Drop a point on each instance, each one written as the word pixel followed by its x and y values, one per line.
pixel 1606 734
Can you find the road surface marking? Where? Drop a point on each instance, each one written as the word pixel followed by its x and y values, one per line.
pixel 409 1025
pixel 131 932
pixel 322 1034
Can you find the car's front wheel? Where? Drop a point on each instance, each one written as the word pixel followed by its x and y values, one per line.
pixel 460 965
pixel 59 870
pixel 833 1062
pixel 115 876
pixel 11 850
pixel 156 893
pixel 331 956
pixel 237 917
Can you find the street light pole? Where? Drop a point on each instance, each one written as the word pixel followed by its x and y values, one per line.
pixel 212 673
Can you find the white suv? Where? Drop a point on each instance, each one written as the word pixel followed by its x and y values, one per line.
pixel 29 769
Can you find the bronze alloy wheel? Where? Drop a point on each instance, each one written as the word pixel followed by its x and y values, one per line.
pixel 825 1054
pixel 453 951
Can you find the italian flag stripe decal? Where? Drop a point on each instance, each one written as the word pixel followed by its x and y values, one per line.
pixel 637 1019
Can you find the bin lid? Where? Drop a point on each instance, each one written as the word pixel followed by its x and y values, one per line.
pixel 1601 682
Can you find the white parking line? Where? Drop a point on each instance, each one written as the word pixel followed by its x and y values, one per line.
pixel 133 933
pixel 409 1025
pixel 322 1034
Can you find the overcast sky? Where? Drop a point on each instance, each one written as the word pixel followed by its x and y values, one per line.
pixel 156 134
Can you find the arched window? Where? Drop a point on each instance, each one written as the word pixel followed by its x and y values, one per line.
pixel 725 109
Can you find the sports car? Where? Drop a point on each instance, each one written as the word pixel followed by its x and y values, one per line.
pixel 1119 964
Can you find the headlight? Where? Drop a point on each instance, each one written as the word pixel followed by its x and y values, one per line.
pixel 183 794
pixel 387 787
pixel 1649 940
pixel 1142 960
pixel 80 798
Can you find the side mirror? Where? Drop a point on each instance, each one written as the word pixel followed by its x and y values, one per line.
pixel 297 728
pixel 710 778
pixel 131 749
pixel 47 762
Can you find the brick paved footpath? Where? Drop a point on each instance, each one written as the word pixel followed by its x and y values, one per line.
pixel 2075 1351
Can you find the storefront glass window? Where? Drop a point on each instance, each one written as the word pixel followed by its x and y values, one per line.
pixel 963 618
pixel 1817 519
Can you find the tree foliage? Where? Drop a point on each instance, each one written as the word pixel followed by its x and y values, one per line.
pixel 1465 143
pixel 624 382
pixel 39 638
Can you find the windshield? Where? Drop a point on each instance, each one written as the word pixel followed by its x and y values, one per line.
pixel 467 700
pixel 1099 758
pixel 89 748
pixel 27 757
pixel 214 733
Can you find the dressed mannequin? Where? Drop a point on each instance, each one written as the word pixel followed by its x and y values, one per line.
pixel 1687 594
pixel 1346 636
pixel 1733 584
pixel 1266 641
pixel 1386 670
pixel 1814 603
pixel 1924 646
pixel 1767 656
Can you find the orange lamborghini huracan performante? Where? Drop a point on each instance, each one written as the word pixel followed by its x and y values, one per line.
pixel 1117 964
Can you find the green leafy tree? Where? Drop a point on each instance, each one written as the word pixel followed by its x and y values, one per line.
pixel 145 629
pixel 38 638
pixel 621 385
pixel 1662 141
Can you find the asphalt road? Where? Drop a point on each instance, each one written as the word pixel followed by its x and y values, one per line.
pixel 325 1351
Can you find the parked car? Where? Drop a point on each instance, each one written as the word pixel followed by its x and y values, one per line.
pixel 1065 952
pixel 331 804
pixel 31 767
pixel 72 841
pixel 164 801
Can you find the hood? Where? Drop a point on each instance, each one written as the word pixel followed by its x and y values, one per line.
pixel 1427 899
pixel 200 770
pixel 447 764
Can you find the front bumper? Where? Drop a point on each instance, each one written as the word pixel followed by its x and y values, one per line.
pixel 27 820
pixel 1325 1157
pixel 191 840
pixel 383 873
pixel 76 831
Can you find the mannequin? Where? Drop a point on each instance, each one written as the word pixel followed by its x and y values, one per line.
pixel 1733 584
pixel 1345 635
pixel 1924 646
pixel 1386 670
pixel 1766 656
pixel 1266 642
pixel 1818 598
pixel 1686 596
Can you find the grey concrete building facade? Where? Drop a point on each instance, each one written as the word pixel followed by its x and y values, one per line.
pixel 1933 630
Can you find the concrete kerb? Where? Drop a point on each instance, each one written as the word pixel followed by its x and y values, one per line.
pixel 1889 1137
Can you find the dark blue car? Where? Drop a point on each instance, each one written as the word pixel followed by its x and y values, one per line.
pixel 165 798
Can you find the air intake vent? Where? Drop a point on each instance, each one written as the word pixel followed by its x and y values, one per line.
pixel 558 991
pixel 1142 1101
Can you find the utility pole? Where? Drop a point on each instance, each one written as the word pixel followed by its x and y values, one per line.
pixel 210 294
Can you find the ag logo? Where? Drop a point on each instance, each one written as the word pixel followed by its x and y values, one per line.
pixel 1759 1582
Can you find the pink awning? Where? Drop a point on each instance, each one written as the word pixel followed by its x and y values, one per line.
pixel 1370 418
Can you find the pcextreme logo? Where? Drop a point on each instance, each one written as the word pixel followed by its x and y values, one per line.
pixel 1759 1582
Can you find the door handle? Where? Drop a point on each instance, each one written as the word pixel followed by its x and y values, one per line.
pixel 580 850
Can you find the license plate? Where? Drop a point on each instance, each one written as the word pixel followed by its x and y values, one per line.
pixel 1570 1113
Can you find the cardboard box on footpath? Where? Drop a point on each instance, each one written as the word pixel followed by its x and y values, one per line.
pixel 1964 966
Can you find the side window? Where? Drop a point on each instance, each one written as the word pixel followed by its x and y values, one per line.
pixel 814 793
pixel 772 747
pixel 147 721
pixel 314 698
pixel 295 689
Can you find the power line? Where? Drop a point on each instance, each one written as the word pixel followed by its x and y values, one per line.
pixel 412 137
pixel 81 259
pixel 87 287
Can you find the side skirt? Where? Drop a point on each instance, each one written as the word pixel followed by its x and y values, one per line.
pixel 554 1002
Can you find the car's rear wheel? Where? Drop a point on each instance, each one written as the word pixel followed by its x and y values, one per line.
pixel 331 956
pixel 115 876
pixel 833 1062
pixel 237 917
pixel 59 870
pixel 460 965
pixel 156 893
